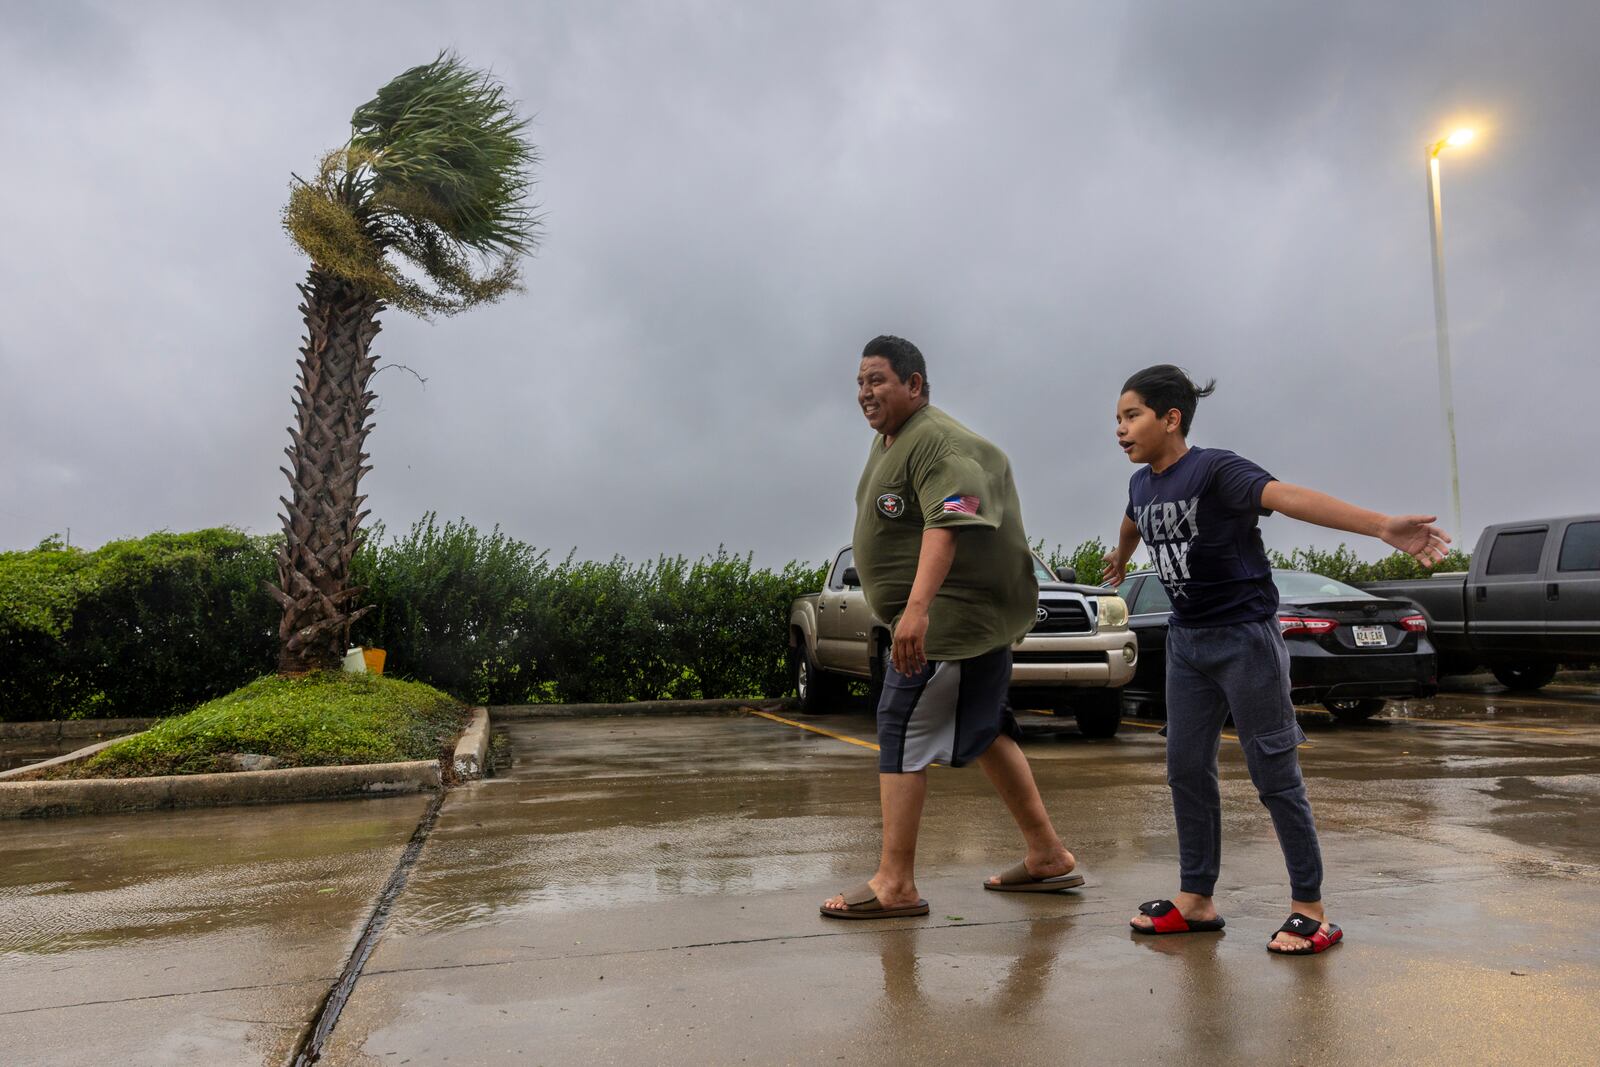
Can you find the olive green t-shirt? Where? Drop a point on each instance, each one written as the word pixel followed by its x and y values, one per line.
pixel 939 473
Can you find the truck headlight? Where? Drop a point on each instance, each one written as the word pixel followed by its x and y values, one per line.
pixel 1113 611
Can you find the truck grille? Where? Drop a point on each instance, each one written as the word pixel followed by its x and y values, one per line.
pixel 1037 656
pixel 1064 617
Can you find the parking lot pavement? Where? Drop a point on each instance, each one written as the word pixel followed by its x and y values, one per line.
pixel 203 937
pixel 638 890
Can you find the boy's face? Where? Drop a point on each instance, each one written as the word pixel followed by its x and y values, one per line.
pixel 1141 433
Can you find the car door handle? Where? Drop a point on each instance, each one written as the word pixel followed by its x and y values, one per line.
pixel 1552 591
pixel 1483 593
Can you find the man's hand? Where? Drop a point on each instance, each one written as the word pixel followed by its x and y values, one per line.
pixel 908 653
pixel 1116 568
pixel 1416 536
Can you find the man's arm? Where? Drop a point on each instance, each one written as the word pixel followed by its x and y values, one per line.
pixel 909 652
pixel 1116 560
pixel 1415 535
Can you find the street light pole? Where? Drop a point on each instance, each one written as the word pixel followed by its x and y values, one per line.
pixel 1440 319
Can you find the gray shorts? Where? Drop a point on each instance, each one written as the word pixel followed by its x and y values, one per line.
pixel 950 712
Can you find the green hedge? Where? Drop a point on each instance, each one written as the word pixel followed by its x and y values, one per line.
pixel 158 625
pixel 492 620
pixel 141 627
pixel 1341 563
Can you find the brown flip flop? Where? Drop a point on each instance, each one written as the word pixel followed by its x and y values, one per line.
pixel 1018 880
pixel 863 904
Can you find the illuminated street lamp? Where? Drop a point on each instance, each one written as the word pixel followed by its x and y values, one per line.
pixel 1441 327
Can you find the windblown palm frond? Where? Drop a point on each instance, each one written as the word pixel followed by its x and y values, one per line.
pixel 436 171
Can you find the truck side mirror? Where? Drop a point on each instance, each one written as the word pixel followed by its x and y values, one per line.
pixel 1067 574
pixel 851 578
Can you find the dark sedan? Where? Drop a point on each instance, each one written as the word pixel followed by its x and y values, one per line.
pixel 1348 649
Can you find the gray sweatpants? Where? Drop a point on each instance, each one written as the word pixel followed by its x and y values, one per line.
pixel 1242 668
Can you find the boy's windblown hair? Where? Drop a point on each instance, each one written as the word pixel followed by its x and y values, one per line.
pixel 1164 387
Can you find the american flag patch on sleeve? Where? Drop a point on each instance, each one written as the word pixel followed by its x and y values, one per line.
pixel 961 505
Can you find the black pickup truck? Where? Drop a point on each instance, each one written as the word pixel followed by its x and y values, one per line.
pixel 1530 603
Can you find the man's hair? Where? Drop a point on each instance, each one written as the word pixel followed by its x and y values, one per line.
pixel 1164 387
pixel 903 356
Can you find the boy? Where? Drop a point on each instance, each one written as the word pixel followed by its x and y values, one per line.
pixel 1197 509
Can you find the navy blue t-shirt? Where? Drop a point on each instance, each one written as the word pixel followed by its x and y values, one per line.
pixel 1199 518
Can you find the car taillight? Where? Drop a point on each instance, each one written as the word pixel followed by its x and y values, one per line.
pixel 1305 626
pixel 1417 624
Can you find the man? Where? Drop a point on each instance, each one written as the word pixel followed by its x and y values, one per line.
pixel 943 558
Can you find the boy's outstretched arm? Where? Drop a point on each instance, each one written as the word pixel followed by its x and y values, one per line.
pixel 1116 560
pixel 1415 535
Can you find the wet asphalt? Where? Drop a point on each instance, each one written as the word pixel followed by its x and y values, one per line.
pixel 646 891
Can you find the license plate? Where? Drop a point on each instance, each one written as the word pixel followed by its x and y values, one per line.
pixel 1371 637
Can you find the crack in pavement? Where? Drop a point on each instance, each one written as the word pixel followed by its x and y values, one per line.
pixel 308 1049
pixel 162 996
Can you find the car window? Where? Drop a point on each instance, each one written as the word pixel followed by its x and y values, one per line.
pixel 1580 548
pixel 1151 597
pixel 1040 571
pixel 1517 552
pixel 1304 583
pixel 847 559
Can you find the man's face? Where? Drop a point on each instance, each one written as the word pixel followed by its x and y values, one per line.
pixel 885 400
pixel 1140 432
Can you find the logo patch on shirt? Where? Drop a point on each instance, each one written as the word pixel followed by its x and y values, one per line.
pixel 891 506
pixel 961 505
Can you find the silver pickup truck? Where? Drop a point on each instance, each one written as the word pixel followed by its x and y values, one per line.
pixel 1075 659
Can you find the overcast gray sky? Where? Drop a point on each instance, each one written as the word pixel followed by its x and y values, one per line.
pixel 1043 196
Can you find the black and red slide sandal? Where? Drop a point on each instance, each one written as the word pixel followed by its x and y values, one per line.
pixel 1167 919
pixel 1297 925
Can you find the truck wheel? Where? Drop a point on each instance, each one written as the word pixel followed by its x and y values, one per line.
pixel 1525 677
pixel 1099 714
pixel 1354 710
pixel 818 690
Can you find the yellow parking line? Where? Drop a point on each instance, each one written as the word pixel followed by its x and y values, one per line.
pixel 1037 711
pixel 814 729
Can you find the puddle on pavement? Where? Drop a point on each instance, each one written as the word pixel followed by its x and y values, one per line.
pixel 106 880
pixel 21 753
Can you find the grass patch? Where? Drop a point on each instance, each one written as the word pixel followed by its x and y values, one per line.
pixel 320 720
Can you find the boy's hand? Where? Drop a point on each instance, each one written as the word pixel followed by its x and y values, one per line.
pixel 1417 537
pixel 909 654
pixel 1116 568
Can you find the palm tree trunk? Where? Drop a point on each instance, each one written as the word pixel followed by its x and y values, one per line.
pixel 323 519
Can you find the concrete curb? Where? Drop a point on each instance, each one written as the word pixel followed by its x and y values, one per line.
pixel 69 757
pixel 58 729
pixel 518 712
pixel 91 796
pixel 472 751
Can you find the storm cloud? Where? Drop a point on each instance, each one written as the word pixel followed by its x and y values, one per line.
pixel 1044 197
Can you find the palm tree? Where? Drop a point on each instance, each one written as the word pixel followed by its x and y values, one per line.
pixel 423 209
